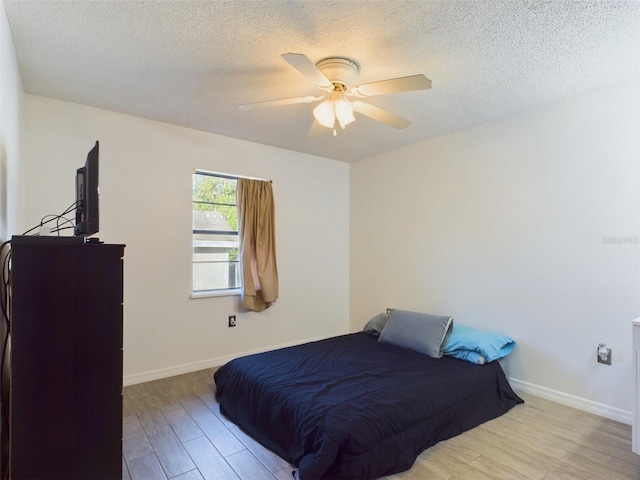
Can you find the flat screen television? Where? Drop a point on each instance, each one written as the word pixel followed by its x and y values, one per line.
pixel 87 196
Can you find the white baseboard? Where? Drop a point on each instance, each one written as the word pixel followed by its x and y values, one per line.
pixel 200 365
pixel 170 371
pixel 601 409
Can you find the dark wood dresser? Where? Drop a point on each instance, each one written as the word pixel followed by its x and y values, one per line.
pixel 65 405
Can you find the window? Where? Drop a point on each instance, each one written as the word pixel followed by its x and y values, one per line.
pixel 215 233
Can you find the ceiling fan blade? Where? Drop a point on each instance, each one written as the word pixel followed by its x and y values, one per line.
pixel 275 103
pixel 307 68
pixel 317 130
pixel 394 85
pixel 380 115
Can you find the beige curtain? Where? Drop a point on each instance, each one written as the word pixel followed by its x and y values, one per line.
pixel 256 230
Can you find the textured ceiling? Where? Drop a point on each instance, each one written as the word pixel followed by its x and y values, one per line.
pixel 191 63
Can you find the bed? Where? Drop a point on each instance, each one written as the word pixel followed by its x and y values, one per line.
pixel 352 407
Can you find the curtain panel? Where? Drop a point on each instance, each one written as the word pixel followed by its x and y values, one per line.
pixel 256 230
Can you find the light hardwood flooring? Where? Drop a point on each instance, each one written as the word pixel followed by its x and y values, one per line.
pixel 173 429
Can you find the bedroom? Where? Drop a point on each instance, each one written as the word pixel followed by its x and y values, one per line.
pixel 512 237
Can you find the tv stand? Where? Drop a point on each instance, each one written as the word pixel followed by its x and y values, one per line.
pixel 18 240
pixel 52 240
pixel 65 405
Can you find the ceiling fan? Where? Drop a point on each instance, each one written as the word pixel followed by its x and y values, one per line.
pixel 335 77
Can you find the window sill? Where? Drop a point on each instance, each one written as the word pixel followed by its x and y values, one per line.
pixel 217 293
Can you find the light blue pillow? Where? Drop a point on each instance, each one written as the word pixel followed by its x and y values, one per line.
pixel 417 331
pixel 490 345
pixel 468 355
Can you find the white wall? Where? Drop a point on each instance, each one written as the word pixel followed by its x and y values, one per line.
pixel 145 202
pixel 11 99
pixel 503 227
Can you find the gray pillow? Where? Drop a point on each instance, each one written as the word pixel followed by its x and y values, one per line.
pixel 417 331
pixel 376 324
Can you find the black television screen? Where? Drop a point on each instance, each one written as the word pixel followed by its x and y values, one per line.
pixel 87 196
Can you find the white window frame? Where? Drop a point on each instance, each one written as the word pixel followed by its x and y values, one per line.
pixel 215 292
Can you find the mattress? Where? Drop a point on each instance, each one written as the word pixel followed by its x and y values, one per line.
pixel 350 407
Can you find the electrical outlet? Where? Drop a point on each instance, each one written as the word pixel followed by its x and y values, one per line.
pixel 232 320
pixel 605 359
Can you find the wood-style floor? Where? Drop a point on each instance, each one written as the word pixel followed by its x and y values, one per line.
pixel 173 429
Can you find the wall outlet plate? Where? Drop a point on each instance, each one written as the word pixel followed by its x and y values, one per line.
pixel 232 320
pixel 607 361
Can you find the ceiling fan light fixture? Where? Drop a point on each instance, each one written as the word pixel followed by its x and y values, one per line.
pixel 336 107
pixel 325 114
pixel 344 112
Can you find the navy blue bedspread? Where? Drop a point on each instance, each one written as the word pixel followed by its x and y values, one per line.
pixel 351 407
